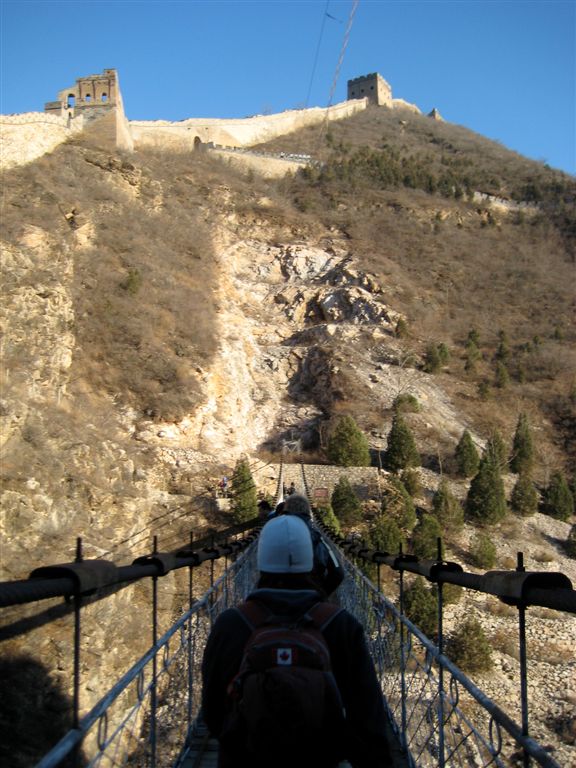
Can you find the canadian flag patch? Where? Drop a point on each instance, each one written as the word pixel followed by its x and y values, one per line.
pixel 284 656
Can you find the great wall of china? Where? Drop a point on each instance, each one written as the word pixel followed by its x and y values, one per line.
pixel 94 106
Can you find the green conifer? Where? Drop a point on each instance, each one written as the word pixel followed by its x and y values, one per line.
pixel 401 451
pixel 420 606
pixel 345 503
pixel 524 498
pixel 483 551
pixel 447 508
pixel 503 350
pixel 501 376
pixel 558 499
pixel 425 537
pixel 495 451
pixel 469 648
pixel 443 353
pixel 466 455
pixel 387 536
pixel 432 361
pixel 347 445
pixel 244 497
pixel 401 329
pixel 473 337
pixel 411 481
pixel 486 501
pixel 398 504
pixel 327 516
pixel 522 456
pixel 472 357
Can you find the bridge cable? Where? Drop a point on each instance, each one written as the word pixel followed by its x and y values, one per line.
pixel 324 17
pixel 337 71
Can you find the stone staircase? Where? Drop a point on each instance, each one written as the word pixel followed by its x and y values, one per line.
pixel 322 478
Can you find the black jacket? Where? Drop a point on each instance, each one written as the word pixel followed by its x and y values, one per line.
pixel 365 740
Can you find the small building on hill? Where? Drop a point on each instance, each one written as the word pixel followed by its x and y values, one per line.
pixel 372 87
pixel 93 93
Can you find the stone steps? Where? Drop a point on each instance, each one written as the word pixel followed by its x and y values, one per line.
pixel 364 480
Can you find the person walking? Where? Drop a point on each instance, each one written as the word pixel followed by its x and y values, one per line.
pixel 327 568
pixel 287 597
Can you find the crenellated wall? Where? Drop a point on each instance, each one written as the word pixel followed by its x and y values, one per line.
pixel 94 105
pixel 241 132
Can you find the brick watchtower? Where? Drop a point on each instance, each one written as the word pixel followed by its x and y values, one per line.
pixel 94 92
pixel 373 87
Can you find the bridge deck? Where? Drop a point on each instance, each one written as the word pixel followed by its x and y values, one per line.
pixel 203 750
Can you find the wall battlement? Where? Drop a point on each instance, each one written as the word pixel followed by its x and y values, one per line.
pixel 372 87
pixel 94 105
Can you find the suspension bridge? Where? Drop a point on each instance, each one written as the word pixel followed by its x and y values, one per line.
pixel 150 717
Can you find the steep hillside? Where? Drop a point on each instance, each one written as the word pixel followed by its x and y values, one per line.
pixel 164 313
pixel 173 299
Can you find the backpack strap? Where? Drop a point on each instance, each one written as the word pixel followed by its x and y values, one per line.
pixel 321 614
pixel 254 613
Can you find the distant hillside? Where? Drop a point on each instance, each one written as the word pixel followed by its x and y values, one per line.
pixel 404 189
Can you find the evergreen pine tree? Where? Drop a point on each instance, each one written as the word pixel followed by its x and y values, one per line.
pixel 495 451
pixel 387 536
pixel 472 357
pixel 411 481
pixel 345 503
pixel 398 504
pixel 447 508
pixel 443 353
pixel 473 337
pixel 501 376
pixel 348 446
pixel 425 537
pixel 503 350
pixel 483 551
pixel 469 647
pixel 466 455
pixel 558 499
pixel 244 497
pixel 486 501
pixel 327 516
pixel 401 451
pixel 420 606
pixel 401 329
pixel 432 361
pixel 524 498
pixel 522 456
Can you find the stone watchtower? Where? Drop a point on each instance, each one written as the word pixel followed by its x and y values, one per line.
pixel 97 101
pixel 94 92
pixel 372 87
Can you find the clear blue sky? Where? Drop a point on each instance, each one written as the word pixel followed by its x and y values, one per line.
pixel 506 70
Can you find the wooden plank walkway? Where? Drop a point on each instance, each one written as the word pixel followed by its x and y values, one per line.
pixel 203 750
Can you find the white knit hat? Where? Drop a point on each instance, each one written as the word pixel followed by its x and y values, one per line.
pixel 285 546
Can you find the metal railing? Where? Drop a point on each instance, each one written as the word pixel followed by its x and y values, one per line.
pixel 440 716
pixel 145 718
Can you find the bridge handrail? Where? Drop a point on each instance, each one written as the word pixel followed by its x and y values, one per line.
pixel 208 604
pixel 547 589
pixel 90 576
pixel 530 745
pixel 358 594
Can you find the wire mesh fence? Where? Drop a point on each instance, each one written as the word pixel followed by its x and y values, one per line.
pixel 145 718
pixel 440 716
